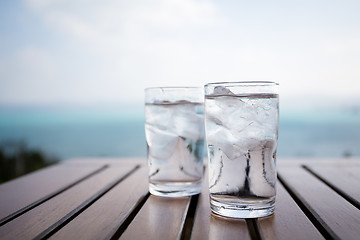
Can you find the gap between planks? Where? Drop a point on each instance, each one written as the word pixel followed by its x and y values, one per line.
pixel 120 229
pixel 252 223
pixel 348 198
pixel 48 197
pixel 254 229
pixel 189 219
pixel 74 213
pixel 187 222
pixel 316 220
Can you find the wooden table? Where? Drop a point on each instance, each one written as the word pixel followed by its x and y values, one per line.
pixel 108 199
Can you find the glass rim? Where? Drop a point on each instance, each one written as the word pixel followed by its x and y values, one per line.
pixel 243 84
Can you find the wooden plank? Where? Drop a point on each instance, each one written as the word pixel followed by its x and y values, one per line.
pixel 102 219
pixel 334 162
pixel 39 219
pixel 344 179
pixel 333 213
pixel 323 162
pixel 159 218
pixel 23 191
pixel 107 160
pixel 288 220
pixel 209 226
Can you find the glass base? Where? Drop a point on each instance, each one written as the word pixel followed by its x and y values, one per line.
pixel 175 189
pixel 243 208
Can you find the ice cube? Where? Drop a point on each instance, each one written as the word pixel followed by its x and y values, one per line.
pixel 162 143
pixel 228 111
pixel 248 124
pixel 224 140
pixel 188 124
pixel 221 91
pixel 262 169
pixel 158 115
pixel 225 175
pixel 219 111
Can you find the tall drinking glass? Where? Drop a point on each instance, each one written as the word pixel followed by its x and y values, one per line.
pixel 174 129
pixel 241 122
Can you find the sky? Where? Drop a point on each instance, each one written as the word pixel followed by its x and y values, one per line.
pixel 87 52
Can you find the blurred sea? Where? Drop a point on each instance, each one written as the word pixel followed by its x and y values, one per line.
pixel 84 132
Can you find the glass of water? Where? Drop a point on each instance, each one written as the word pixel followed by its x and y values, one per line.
pixel 174 129
pixel 241 122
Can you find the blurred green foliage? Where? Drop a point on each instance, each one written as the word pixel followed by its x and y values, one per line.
pixel 17 159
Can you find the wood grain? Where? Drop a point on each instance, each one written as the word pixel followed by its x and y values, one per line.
pixel 42 217
pixel 105 216
pixel 107 160
pixel 159 218
pixel 127 204
pixel 288 221
pixel 344 179
pixel 209 226
pixel 21 192
pixel 338 216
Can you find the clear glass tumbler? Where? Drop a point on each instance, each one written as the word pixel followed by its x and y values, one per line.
pixel 174 129
pixel 241 125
